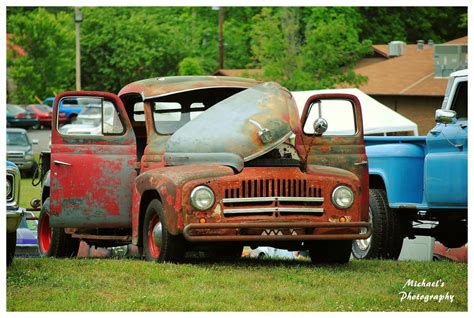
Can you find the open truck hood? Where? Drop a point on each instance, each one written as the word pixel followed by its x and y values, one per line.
pixel 237 129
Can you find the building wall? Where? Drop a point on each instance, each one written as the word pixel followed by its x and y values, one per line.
pixel 419 109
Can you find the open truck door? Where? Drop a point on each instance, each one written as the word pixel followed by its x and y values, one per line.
pixel 93 162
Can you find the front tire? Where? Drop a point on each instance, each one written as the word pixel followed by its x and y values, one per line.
pixel 11 246
pixel 158 244
pixel 387 237
pixel 54 242
pixel 330 252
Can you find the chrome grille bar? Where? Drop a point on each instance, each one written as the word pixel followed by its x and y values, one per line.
pixel 274 209
pixel 273 199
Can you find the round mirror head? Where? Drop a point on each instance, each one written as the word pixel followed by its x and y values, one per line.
pixel 320 126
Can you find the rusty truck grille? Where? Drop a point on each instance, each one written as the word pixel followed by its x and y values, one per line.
pixel 273 196
pixel 273 188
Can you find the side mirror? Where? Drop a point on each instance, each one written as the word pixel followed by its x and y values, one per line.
pixel 35 141
pixel 320 126
pixel 445 116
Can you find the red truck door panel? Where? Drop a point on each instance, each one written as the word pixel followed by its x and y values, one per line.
pixel 342 144
pixel 93 161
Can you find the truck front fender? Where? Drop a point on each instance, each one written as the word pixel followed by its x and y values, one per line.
pixel 400 166
pixel 166 184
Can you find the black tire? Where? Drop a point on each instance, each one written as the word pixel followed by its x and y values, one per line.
pixel 172 246
pixel 330 252
pixel 31 172
pixel 387 235
pixel 11 246
pixel 61 244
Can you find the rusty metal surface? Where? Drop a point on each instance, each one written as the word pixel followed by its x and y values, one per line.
pixel 159 86
pixel 196 237
pixel 95 189
pixel 101 188
pixel 167 182
pixel 342 152
pixel 248 124
pixel 289 183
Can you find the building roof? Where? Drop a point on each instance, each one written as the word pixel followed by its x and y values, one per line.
pixel 14 47
pixel 158 86
pixel 411 74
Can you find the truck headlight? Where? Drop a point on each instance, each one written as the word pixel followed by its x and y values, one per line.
pixel 342 197
pixel 202 198
pixel 9 187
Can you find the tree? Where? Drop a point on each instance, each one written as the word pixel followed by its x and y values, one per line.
pixel 48 66
pixel 308 48
pixel 409 24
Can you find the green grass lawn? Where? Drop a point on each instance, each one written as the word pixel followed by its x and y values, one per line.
pixel 28 192
pixel 244 285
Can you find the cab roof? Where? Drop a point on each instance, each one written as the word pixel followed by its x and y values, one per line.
pixel 159 86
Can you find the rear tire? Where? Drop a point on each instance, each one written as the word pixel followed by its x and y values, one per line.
pixel 54 242
pixel 330 252
pixel 387 236
pixel 170 247
pixel 11 246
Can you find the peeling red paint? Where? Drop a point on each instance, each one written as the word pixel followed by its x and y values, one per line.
pixel 103 185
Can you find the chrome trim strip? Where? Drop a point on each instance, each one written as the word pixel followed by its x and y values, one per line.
pixel 275 209
pixel 274 199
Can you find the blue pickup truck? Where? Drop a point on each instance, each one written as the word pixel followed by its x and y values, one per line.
pixel 72 108
pixel 419 179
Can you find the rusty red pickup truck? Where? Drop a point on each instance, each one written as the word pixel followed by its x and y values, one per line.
pixel 204 163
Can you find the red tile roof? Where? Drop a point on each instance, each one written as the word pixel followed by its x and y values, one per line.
pixel 411 74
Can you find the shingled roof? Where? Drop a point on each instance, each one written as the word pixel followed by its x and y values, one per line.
pixel 411 74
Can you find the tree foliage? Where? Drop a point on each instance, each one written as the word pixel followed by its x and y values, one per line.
pixel 48 67
pixel 308 49
pixel 303 48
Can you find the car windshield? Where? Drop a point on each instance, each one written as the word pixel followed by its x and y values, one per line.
pixel 17 139
pixel 44 108
pixel 14 109
pixel 171 112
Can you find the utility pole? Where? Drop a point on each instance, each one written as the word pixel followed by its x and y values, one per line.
pixel 221 37
pixel 78 19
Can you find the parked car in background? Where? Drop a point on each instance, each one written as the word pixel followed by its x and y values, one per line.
pixel 20 151
pixel 89 120
pixel 17 116
pixel 26 236
pixel 71 107
pixel 44 113
pixel 48 101
pixel 14 212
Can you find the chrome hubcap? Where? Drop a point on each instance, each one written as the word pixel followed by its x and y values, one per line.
pixel 157 234
pixel 365 243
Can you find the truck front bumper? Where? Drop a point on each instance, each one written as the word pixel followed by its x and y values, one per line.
pixel 13 219
pixel 197 232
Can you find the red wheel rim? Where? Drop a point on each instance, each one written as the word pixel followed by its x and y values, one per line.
pixel 154 250
pixel 45 233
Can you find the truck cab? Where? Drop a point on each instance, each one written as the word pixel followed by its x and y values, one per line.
pixel 207 164
pixel 419 179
